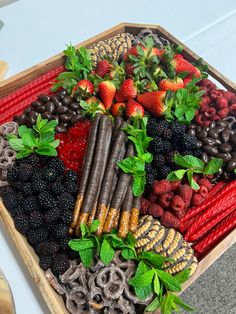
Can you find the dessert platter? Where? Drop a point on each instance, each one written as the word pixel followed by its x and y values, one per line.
pixel 117 171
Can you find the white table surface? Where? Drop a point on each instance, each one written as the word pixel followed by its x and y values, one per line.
pixel 37 29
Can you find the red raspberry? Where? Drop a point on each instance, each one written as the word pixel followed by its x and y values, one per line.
pixel 233 109
pixel 186 193
pixel 197 199
pixel 175 185
pixel 165 199
pixel 152 197
pixel 161 187
pixel 223 112
pixel 205 182
pixel 204 88
pixel 216 117
pixel 144 205
pixel 215 94
pixel 228 95
pixel 210 112
pixel 180 214
pixel 206 101
pixel 202 120
pixel 208 83
pixel 169 220
pixel 203 191
pixel 177 203
pixel 155 210
pixel 221 102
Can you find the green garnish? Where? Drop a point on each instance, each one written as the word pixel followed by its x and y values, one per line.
pixel 79 65
pixel 149 278
pixel 193 165
pixel 40 139
pixel 135 165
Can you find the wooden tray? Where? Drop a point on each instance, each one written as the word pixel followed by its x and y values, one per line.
pixel 53 300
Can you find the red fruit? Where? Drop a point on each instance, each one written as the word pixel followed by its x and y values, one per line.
pixel 229 95
pixel 103 68
pixel 221 102
pixel 233 109
pixel 165 199
pixel 144 205
pixel 207 83
pixel 161 187
pixel 107 91
pixel 134 109
pixel 182 65
pixel 154 102
pixel 197 199
pixel 187 80
pixel 86 86
pixel 169 220
pixel 210 112
pixel 206 101
pixel 152 197
pixel 215 94
pixel 179 56
pixel 186 193
pixel 129 69
pixel 155 210
pixel 180 214
pixel 223 113
pixel 177 203
pixel 131 52
pixel 216 117
pixel 171 84
pixel 205 182
pixel 203 191
pixel 127 91
pixel 117 109
pixel 157 52
pixel 175 185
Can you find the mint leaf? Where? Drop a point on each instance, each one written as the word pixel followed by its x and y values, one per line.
pixel 49 127
pixel 138 185
pixel 29 140
pixel 22 130
pixel 169 281
pixel 16 144
pixel 144 292
pixel 143 280
pixel 181 161
pixel 127 165
pixel 46 138
pixel 177 300
pixel 156 284
pixel 191 181
pixel 23 153
pixel 194 161
pixel 106 252
pixel 94 226
pixel 153 305
pixel 213 165
pixel 128 254
pixel 86 257
pixel 81 244
pixel 156 260
pixel 46 151
pixel 172 177
pixel 147 157
pixel 54 143
pixel 84 230
pixel 180 174
pixel 183 275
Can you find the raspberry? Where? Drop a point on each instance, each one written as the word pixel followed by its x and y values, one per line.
pixel 155 210
pixel 175 185
pixel 206 101
pixel 169 220
pixel 233 109
pixel 186 193
pixel 152 197
pixel 180 214
pixel 228 95
pixel 177 203
pixel 206 183
pixel 221 103
pixel 161 187
pixel 203 191
pixel 216 94
pixel 197 199
pixel 165 199
pixel 144 206
pixel 223 112
pixel 210 112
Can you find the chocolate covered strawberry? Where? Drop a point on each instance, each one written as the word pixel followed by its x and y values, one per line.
pixel 103 68
pixel 171 84
pixel 107 91
pixel 154 102
pixel 127 91
pixel 134 109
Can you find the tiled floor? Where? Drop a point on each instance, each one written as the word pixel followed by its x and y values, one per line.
pixel 37 29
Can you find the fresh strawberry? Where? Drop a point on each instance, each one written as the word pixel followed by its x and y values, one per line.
pixel 187 80
pixel 93 100
pixel 107 91
pixel 103 68
pixel 92 106
pixel 157 52
pixel 86 86
pixel 182 65
pixel 171 84
pixel 134 109
pixel 131 52
pixel 154 102
pixel 117 109
pixel 127 91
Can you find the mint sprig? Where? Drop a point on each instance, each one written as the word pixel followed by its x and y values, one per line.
pixel 135 165
pixel 40 139
pixel 193 165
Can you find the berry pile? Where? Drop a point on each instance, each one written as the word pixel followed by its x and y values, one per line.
pixel 41 198
pixel 168 140
pixel 170 201
pixel 216 103
pixel 73 144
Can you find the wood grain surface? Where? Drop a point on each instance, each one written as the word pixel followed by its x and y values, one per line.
pixel 6 300
pixel 3 69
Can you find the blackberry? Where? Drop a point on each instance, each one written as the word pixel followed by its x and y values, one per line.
pixel 66 201
pixel 188 142
pixel 71 176
pixel 161 127
pixel 57 188
pixel 39 185
pixel 170 157
pixel 71 187
pixel 72 255
pixel 166 147
pixel 32 159
pixel 57 164
pixel 149 178
pixel 25 172
pixel 10 201
pixel 156 146
pixel 37 174
pixel 44 160
pixel 4 190
pixel 66 217
pixel 30 204
pixel 52 215
pixel 177 128
pixel 26 188
pixel 12 174
pixel 163 173
pixel 45 262
pixel 46 200
pixel 159 160
pixel 50 174
pixel 152 127
pixel 197 152
pixel 63 243
pixel 167 134
pixel 37 235
pixel 50 226
pixel 47 248
pixel 60 264
pixel 60 231
pixel 21 224
pixel 35 219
